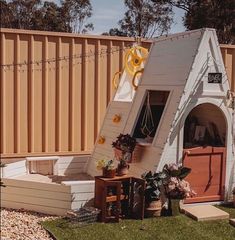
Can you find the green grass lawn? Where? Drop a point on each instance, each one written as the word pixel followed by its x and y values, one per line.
pixel 163 228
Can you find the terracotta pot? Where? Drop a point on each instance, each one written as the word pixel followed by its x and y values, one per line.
pixel 122 170
pixel 154 209
pixel 119 155
pixel 109 173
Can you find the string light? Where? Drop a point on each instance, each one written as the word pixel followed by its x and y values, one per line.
pixel 83 58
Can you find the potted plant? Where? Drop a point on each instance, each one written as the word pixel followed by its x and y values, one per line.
pixel 125 144
pixel 123 149
pixel 107 166
pixel 176 188
pixel 153 204
pixel 123 167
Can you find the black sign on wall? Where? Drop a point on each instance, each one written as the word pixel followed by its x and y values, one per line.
pixel 214 77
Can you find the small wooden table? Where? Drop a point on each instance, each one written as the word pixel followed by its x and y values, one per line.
pixel 119 197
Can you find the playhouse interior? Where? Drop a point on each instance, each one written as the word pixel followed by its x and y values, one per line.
pixel 205 126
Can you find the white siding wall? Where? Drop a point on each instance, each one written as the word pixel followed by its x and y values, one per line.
pixel 49 198
pixel 14 169
pixel 41 197
pixel 71 164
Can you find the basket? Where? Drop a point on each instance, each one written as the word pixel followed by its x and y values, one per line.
pixel 84 215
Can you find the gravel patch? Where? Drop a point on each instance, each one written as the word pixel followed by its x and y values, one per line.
pixel 23 225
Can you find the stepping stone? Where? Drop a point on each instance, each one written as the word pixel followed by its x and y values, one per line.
pixel 204 212
pixel 232 222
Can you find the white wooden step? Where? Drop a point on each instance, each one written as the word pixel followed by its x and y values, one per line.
pixel 204 212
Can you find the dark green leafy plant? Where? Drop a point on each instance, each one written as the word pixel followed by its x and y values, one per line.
pixel 154 182
pixel 169 182
pixel 173 170
pixel 125 143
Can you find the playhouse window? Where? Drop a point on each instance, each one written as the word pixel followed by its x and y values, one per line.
pixel 150 115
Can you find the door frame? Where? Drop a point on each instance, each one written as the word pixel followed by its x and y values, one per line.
pixel 227 113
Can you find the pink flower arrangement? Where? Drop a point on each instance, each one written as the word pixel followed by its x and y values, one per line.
pixel 175 185
pixel 177 188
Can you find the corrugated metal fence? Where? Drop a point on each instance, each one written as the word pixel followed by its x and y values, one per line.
pixel 55 88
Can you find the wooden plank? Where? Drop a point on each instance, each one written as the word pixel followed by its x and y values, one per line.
pixel 14 165
pixel 97 156
pixel 71 165
pixel 32 207
pixel 71 171
pixel 80 159
pixel 14 172
pixel 36 201
pixel 82 197
pixel 36 185
pixel 83 187
pixel 102 155
pixel 36 193
pixel 78 204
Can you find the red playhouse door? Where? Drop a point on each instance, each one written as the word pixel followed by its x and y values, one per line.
pixel 207 177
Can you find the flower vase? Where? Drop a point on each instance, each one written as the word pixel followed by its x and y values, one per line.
pixel 122 170
pixel 120 155
pixel 109 173
pixel 174 207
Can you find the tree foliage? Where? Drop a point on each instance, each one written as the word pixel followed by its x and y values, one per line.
pixel 68 16
pixel 144 18
pixel 216 14
pixel 77 13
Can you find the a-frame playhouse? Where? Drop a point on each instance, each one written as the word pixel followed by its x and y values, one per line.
pixel 185 88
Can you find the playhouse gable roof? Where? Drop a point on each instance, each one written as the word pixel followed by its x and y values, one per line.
pixel 171 58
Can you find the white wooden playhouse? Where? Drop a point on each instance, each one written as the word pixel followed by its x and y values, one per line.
pixel 185 85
